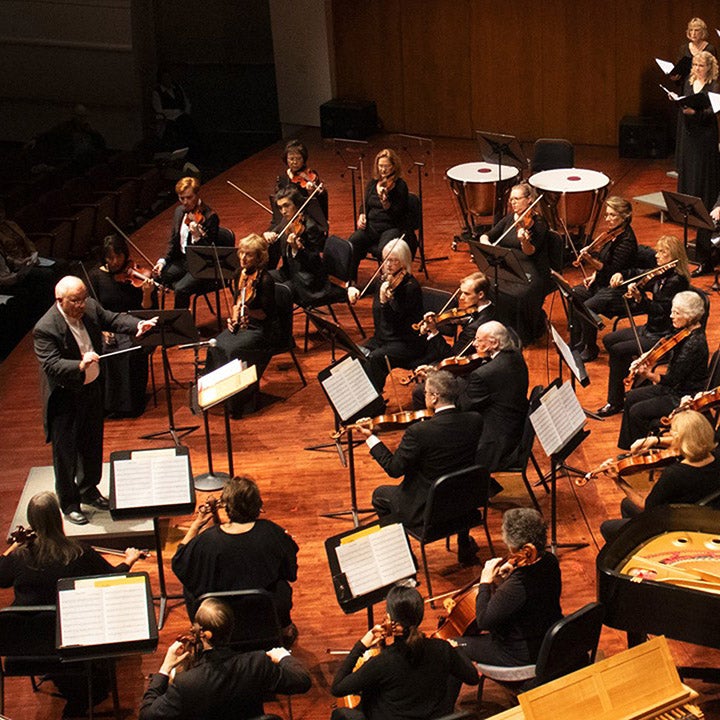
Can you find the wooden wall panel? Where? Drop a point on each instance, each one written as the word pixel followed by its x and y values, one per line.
pixel 530 69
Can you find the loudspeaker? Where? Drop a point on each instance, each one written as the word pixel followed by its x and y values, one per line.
pixel 349 119
pixel 643 137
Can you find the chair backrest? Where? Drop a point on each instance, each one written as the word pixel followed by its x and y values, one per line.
pixel 551 153
pixel 435 300
pixel 284 305
pixel 454 499
pixel 337 258
pixel 527 440
pixel 570 644
pixel 257 626
pixel 28 631
pixel 714 371
pixel 226 237
pixel 556 251
pixel 706 302
pixel 414 212
pixel 646 257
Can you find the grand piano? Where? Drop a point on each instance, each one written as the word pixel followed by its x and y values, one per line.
pixel 661 575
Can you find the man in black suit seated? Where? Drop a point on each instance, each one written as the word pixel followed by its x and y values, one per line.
pixel 472 297
pixel 443 443
pixel 194 223
pixel 217 682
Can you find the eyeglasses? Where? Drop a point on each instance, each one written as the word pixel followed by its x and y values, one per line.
pixel 74 300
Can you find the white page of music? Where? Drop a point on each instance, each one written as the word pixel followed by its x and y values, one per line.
pixel 357 562
pixel 152 481
pixel 349 388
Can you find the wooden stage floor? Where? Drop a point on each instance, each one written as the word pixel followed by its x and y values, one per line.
pixel 298 485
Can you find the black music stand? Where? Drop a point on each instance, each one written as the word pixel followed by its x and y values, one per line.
pixel 573 305
pixel 174 327
pixel 213 262
pixel 687 210
pixel 496 147
pixel 361 145
pixel 335 333
pixel 362 400
pixel 502 263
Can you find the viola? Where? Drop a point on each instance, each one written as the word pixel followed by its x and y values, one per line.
pixel 645 278
pixel 388 422
pixel 22 536
pixel 655 354
pixel 303 177
pixel 458 365
pixel 455 315
pixel 384 186
pixel 627 464
pixel 132 274
pixel 701 401
pixel 247 287
pixel 603 239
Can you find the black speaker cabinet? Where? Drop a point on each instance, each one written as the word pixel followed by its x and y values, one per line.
pixel 643 137
pixel 349 119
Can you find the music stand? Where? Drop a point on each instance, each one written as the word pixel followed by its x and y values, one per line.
pixel 501 262
pixel 212 262
pixel 360 145
pixel 174 327
pixel 335 333
pixel 573 305
pixel 687 210
pixel 352 396
pixel 495 147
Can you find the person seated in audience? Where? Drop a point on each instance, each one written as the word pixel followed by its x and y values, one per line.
pixel 194 223
pixel 32 567
pixel 213 682
pixel 686 374
pixel 412 676
pixel 518 597
pixel 692 477
pixel 242 553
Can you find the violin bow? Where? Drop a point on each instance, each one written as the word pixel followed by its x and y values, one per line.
pixel 130 242
pixel 568 237
pixel 394 385
pixel 362 183
pixel 89 284
pixel 221 279
pixel 520 217
pixel 632 323
pixel 447 304
pixel 300 209
pixel 380 267
pixel 659 270
pixel 249 197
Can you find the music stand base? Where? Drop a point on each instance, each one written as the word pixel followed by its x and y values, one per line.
pixel 211 481
pixel 354 514
pixel 174 433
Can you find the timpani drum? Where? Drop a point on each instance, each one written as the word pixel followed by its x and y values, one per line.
pixel 480 190
pixel 572 198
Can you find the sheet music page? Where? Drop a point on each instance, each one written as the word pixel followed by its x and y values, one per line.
pixel 349 388
pixel 224 371
pixel 566 352
pixel 392 553
pixel 160 452
pixel 104 610
pixel 545 430
pixel 665 65
pixel 151 481
pixel 357 561
pixel 566 412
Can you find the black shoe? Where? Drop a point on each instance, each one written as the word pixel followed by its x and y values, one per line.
pixel 590 353
pixel 98 502
pixel 608 409
pixel 467 552
pixel 704 269
pixel 76 517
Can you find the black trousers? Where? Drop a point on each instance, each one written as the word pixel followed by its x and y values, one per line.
pixel 605 301
pixel 644 407
pixel 176 276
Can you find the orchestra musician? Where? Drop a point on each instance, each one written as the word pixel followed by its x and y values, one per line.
pixel 686 372
pixel 299 245
pixel 655 299
pixel 219 683
pixel 397 305
pixel 518 597
pixel 304 180
pixel 443 443
pixel 32 568
pixel 118 286
pixel 194 223
pixel 68 342
pixel 693 476
pixel 385 209
pixel 472 298
pixel 617 253
pixel 414 677
pixel 243 553
pixel 696 153
pixel 253 329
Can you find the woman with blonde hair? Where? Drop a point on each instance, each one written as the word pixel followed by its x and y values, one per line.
pixel 697 42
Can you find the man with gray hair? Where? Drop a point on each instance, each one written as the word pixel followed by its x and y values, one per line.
pixel 68 340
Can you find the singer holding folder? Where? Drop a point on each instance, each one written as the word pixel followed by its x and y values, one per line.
pixel 68 342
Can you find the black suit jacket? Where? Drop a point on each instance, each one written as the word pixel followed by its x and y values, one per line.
pixel 224 685
pixel 498 391
pixel 438 346
pixel 210 225
pixel 59 355
pixel 429 449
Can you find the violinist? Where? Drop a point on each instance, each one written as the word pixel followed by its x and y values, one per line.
pixel 219 682
pixel 518 597
pixel 612 252
pixel 445 442
pixel 397 305
pixel 472 299
pixel 297 175
pixel 414 677
pixel 691 477
pixel 33 569
pixel 686 374
pixel 299 242
pixel 653 298
pixel 253 330
pixel 194 223
pixel 385 209
pixel 119 287
pixel 520 304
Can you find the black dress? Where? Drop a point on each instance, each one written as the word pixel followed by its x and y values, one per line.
pixel 125 375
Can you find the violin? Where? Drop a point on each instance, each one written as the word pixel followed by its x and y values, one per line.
pixel 603 239
pixel 701 401
pixel 384 186
pixel 303 178
pixel 194 220
pixel 132 275
pixel 455 315
pixel 391 282
pixel 297 228
pixel 458 365
pixel 388 422
pixel 247 288
pixel 650 275
pixel 192 643
pixel 212 505
pixel 21 535
pixel 661 348
pixel 627 464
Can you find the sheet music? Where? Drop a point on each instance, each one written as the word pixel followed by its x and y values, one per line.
pixel 104 610
pixel 224 382
pixel 665 65
pixel 377 558
pixel 152 481
pixel 558 418
pixel 349 388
